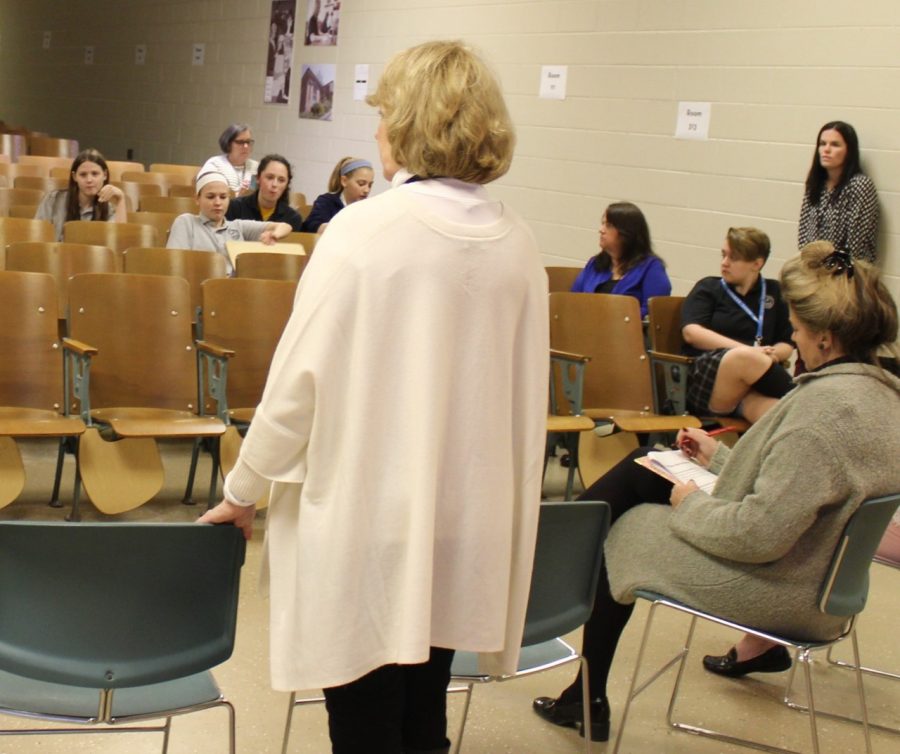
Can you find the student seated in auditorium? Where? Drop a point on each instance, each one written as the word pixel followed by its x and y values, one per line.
pixel 350 181
pixel 89 196
pixel 737 329
pixel 208 230
pixel 626 264
pixel 270 200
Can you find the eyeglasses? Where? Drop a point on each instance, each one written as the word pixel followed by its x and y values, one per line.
pixel 839 262
pixel 244 142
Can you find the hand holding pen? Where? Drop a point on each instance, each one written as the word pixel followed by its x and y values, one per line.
pixel 699 445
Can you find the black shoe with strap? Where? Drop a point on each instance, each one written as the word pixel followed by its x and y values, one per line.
pixel 570 714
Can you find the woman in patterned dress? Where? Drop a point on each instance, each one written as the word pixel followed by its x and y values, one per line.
pixel 840 203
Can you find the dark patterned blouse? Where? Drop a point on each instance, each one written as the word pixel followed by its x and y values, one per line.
pixel 849 219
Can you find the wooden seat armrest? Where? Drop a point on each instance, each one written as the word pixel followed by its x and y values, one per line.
pixel 670 358
pixel 76 346
pixel 567 356
pixel 213 350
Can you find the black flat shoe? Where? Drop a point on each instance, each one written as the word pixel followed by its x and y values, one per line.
pixel 773 660
pixel 569 714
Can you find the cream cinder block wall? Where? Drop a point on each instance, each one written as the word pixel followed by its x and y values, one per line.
pixel 773 71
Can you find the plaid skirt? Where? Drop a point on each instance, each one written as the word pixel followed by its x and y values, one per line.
pixel 701 380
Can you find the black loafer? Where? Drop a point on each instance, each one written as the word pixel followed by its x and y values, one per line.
pixel 570 715
pixel 773 660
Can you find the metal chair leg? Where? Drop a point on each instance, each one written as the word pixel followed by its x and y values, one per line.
pixel 60 457
pixel 189 487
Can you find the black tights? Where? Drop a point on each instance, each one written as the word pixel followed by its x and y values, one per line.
pixel 624 486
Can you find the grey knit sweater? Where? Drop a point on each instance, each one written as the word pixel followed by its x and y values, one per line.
pixel 757 549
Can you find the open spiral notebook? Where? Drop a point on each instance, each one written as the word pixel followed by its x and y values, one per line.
pixel 675 466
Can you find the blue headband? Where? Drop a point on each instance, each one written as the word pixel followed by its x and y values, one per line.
pixel 355 165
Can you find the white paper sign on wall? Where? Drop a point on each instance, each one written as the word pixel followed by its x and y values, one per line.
pixel 198 54
pixel 360 81
pixel 46 41
pixel 693 120
pixel 89 55
pixel 140 54
pixel 553 81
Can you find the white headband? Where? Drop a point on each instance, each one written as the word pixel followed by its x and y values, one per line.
pixel 211 177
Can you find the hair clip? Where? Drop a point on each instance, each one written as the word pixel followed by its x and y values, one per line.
pixel 839 262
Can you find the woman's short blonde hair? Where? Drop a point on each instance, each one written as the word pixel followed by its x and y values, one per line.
pixel 444 115
pixel 828 291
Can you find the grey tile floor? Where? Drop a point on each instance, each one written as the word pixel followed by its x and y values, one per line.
pixel 500 719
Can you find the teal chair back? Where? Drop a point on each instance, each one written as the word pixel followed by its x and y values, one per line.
pixel 567 560
pixel 116 605
pixel 846 587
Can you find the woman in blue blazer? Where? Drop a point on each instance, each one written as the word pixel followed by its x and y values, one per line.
pixel 626 264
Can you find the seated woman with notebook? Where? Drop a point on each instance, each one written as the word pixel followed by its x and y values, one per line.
pixel 210 231
pixel 757 547
pixel 736 327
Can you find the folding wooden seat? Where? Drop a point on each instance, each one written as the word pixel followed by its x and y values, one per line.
pixel 617 385
pixel 561 278
pixel 10 197
pixel 117 167
pixel 13 229
pixel 271 266
pixel 163 180
pixel 162 221
pixel 47 163
pixel 229 304
pixel 669 366
pixel 165 167
pixel 61 261
pixel 13 170
pixel 188 191
pixel 190 264
pixel 117 236
pixel 174 204
pixel 31 378
pixel 52 146
pixel 40 183
pixel 135 192
pixel 298 200
pixel 13 145
pixel 139 385
pixel 308 240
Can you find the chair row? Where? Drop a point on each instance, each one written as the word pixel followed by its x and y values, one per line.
pixel 129 372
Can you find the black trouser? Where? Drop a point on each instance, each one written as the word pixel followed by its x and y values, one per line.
pixel 394 709
pixel 624 486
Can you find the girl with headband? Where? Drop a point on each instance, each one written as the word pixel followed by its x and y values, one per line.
pixel 351 180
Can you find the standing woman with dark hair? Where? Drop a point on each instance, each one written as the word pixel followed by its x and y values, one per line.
pixel 350 181
pixel 89 195
pixel 626 264
pixel 840 203
pixel 236 143
pixel 270 200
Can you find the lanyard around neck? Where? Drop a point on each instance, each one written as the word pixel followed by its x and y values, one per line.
pixel 762 306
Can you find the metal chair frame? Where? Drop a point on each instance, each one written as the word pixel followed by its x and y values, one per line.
pixel 843 593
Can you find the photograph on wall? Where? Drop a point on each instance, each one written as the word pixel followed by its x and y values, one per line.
pixel 316 90
pixel 281 48
pixel 322 22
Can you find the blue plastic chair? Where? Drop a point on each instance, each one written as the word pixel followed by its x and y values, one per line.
pixel 105 625
pixel 843 593
pixel 567 560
